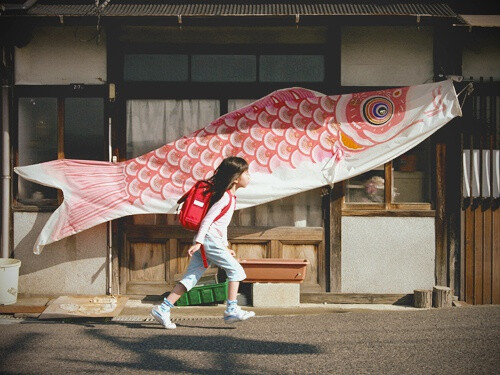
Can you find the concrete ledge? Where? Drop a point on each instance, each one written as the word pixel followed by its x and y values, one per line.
pixel 276 294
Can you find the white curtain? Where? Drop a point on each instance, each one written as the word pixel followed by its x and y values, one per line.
pixel 300 210
pixel 153 123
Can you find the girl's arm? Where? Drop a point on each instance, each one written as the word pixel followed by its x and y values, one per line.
pixel 193 249
pixel 212 213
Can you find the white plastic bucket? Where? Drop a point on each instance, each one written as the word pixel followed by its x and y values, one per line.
pixel 9 279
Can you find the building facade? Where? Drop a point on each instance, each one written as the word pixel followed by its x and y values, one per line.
pixel 121 79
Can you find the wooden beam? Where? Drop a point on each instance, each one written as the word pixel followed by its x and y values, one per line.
pixel 60 139
pixel 441 266
pixel 447 57
pixel 16 309
pixel 453 194
pixel 335 250
pixel 357 298
pixel 280 233
pixel 447 51
pixel 389 213
pixel 388 185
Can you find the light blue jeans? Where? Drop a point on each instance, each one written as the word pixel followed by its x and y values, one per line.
pixel 216 254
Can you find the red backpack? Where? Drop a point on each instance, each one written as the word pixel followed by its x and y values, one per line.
pixel 195 207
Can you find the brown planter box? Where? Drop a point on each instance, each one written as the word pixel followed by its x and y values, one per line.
pixel 274 270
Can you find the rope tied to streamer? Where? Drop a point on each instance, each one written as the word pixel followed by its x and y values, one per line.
pixel 469 89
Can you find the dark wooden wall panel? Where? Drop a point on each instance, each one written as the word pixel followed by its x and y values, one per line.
pixel 480 224
pixel 487 228
pixel 469 255
pixel 478 256
pixel 495 261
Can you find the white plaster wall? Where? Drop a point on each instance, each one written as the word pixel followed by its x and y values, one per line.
pixel 74 265
pixel 481 55
pixel 387 254
pixel 386 56
pixel 55 56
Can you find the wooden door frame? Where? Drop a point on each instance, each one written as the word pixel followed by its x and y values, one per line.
pixel 170 237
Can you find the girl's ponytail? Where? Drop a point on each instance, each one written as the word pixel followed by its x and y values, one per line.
pixel 225 175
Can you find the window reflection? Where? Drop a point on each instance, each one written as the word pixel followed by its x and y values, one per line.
pixel 37 143
pixel 367 187
pixel 412 175
pixel 224 68
pixel 292 68
pixel 84 128
pixel 171 68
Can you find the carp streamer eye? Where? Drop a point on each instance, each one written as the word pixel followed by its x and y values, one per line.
pixel 377 110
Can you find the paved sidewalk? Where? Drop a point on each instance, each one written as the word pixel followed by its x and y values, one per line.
pixel 135 309
pixel 139 310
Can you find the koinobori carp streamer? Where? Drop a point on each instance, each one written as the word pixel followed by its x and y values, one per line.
pixel 293 139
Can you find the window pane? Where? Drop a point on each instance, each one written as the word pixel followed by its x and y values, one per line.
pixel 173 68
pixel 84 128
pixel 292 68
pixel 37 143
pixel 412 175
pixel 224 68
pixel 367 187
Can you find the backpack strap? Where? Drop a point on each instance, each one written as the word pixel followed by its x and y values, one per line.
pixel 184 197
pixel 225 209
pixel 203 256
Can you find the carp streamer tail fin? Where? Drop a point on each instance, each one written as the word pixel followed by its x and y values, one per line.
pixel 94 192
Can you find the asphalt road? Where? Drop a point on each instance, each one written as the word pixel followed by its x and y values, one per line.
pixel 445 341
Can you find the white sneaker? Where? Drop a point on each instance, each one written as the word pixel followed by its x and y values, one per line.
pixel 237 315
pixel 162 317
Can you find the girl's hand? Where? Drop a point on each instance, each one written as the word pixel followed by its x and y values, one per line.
pixel 193 249
pixel 231 252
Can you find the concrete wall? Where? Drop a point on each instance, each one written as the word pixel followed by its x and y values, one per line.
pixel 386 56
pixel 481 54
pixel 77 264
pixel 74 265
pixel 387 254
pixel 56 56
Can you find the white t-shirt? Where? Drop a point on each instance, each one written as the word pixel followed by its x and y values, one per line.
pixel 217 229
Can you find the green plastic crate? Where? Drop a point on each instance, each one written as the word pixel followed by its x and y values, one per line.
pixel 204 294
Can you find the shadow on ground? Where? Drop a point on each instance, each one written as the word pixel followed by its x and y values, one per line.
pixel 161 352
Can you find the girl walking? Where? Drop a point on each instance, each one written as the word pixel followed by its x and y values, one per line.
pixel 231 174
